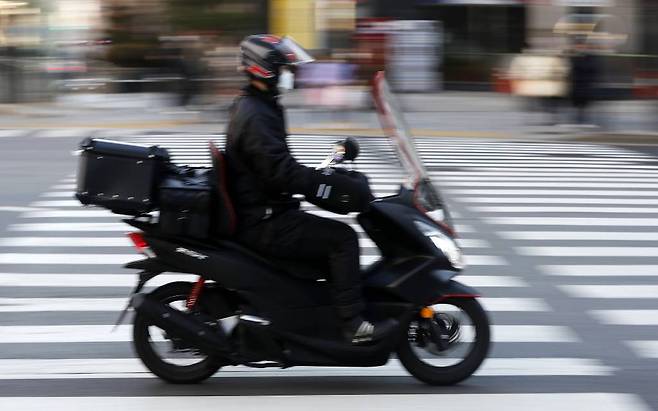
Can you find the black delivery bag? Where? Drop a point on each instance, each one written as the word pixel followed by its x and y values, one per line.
pixel 119 176
pixel 187 202
pixel 339 191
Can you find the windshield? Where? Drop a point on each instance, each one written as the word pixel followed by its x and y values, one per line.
pixel 295 53
pixel 392 120
pixel 426 195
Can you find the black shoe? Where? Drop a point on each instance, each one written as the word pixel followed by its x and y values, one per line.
pixel 360 331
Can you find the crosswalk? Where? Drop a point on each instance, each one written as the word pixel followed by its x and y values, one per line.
pixel 546 228
pixel 596 207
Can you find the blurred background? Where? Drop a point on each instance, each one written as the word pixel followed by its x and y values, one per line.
pixel 557 56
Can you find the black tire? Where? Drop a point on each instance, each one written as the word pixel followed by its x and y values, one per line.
pixel 176 374
pixel 452 374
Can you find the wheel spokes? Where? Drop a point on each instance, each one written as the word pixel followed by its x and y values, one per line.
pixel 446 333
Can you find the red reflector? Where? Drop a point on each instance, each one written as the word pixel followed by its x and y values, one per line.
pixel 138 241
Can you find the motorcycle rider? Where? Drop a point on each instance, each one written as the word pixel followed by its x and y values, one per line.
pixel 264 176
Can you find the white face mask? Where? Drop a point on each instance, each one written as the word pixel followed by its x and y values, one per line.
pixel 286 80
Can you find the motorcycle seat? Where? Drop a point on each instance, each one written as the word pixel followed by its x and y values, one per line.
pixel 299 269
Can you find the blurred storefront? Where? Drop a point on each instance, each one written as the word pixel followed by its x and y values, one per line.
pixel 477 33
pixel 425 45
pixel 295 18
pixel 21 36
pixel 480 36
pixel 316 24
pixel 622 32
pixel 470 35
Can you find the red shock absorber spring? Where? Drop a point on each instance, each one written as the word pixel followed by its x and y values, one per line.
pixel 194 294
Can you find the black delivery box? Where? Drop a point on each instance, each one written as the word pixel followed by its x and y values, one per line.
pixel 119 176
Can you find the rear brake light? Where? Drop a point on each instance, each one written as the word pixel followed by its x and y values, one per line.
pixel 140 244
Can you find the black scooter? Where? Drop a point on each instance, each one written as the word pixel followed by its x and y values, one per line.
pixel 251 311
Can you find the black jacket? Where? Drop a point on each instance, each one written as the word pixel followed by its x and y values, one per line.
pixel 263 174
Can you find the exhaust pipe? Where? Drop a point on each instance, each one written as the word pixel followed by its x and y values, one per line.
pixel 181 325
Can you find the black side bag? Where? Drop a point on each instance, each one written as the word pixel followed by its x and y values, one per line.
pixel 340 191
pixel 119 176
pixel 186 201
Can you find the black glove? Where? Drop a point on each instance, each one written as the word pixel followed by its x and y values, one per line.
pixel 339 191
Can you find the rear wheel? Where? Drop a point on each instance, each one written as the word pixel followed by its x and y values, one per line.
pixel 170 358
pixel 448 345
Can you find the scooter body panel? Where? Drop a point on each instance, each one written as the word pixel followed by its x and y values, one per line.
pixel 234 271
pixel 302 325
pixel 420 281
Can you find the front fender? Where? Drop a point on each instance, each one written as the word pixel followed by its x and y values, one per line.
pixel 434 287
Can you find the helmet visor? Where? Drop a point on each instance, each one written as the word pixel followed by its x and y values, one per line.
pixel 295 54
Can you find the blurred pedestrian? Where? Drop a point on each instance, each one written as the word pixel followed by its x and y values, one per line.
pixel 190 69
pixel 583 78
pixel 539 76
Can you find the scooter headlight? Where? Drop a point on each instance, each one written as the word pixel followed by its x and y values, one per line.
pixel 446 244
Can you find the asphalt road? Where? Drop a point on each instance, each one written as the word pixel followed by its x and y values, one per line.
pixel 560 240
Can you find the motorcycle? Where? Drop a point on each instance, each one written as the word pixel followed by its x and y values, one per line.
pixel 248 310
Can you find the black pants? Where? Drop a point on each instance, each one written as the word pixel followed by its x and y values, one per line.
pixel 302 236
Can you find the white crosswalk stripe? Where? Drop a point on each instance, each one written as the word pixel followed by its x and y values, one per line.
pixel 425 402
pixel 77 133
pixel 125 242
pixel 612 291
pixel 56 203
pixel 645 349
pixel 14 305
pixel 579 235
pixel 560 184
pixel 630 270
pixel 14 133
pixel 500 193
pixel 18 334
pixel 69 213
pixel 66 259
pixel 127 280
pixel 70 227
pixel 530 191
pixel 65 242
pixel 133 368
pixel 589 210
pixel 120 259
pixel 626 317
pixel 589 251
pixel 569 221
pixel 572 198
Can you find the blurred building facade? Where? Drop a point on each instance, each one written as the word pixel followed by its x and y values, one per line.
pixel 478 34
pixel 426 45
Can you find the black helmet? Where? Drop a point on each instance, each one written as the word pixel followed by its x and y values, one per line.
pixel 262 55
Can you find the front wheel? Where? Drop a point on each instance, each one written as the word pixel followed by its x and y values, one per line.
pixel 168 357
pixel 447 342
